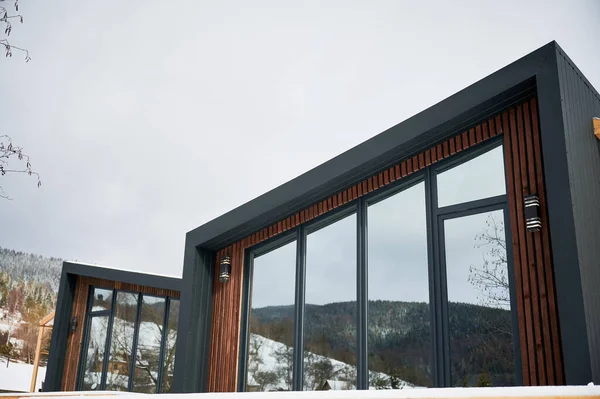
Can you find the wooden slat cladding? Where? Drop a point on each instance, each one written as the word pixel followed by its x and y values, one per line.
pixel 538 323
pixel 74 341
pixel 534 276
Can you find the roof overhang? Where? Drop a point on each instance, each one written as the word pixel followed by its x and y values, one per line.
pixel 123 276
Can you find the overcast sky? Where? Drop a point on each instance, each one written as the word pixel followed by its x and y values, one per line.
pixel 147 119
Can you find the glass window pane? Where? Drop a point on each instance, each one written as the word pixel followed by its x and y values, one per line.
pixel 101 300
pixel 94 354
pixel 481 177
pixel 121 341
pixel 148 345
pixel 171 339
pixel 479 311
pixel 330 311
pixel 399 336
pixel 271 320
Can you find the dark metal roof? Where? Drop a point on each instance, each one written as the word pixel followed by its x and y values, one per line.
pixel 123 276
pixel 459 111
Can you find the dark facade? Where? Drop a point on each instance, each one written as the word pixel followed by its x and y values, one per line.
pixel 539 111
pixel 108 323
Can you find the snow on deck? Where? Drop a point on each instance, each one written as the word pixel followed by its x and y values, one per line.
pixel 17 376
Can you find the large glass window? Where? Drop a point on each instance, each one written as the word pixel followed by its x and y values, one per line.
pixel 479 306
pixel 271 321
pixel 418 268
pixel 120 323
pixel 398 320
pixel 330 309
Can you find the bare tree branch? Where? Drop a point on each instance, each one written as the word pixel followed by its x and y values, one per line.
pixel 5 17
pixel 10 152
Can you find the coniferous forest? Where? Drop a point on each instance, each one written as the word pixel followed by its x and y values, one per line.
pixel 28 289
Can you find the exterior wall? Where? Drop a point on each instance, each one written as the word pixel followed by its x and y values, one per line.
pixel 74 340
pixel 541 355
pixel 536 308
pixel 580 104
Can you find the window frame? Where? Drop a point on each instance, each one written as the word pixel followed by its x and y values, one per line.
pixel 110 313
pixel 438 299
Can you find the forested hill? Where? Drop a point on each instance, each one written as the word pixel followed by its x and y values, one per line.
pixel 399 338
pixel 30 268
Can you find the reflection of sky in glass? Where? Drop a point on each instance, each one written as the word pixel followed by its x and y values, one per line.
pixel 466 254
pixel 478 178
pixel 331 263
pixel 397 247
pixel 273 281
pixel 397 238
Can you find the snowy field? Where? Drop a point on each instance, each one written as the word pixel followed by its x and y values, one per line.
pixel 17 376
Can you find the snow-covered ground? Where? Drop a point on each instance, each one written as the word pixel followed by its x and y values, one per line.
pixel 9 322
pixel 17 376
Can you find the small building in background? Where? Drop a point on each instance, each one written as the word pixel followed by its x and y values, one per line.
pixel 114 330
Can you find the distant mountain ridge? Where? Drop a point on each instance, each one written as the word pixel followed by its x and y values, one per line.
pixel 400 339
pixel 31 268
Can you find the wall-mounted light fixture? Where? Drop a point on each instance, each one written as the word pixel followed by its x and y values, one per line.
pixel 533 222
pixel 596 123
pixel 225 269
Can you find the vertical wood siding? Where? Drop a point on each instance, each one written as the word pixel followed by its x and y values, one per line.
pixel 534 275
pixel 74 341
pixel 538 322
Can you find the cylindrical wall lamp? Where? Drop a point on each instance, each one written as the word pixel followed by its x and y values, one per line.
pixel 225 269
pixel 533 221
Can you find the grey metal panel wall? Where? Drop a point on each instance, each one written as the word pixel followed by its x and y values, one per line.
pixel 580 103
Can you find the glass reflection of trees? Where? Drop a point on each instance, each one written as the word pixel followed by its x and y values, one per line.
pixel 479 309
pixel 121 342
pixel 148 344
pixel 135 323
pixel 94 354
pixel 271 321
pixel 170 340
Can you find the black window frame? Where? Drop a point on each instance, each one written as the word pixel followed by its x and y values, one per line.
pixel 438 303
pixel 110 313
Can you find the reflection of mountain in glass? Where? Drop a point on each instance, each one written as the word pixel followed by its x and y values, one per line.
pixel 401 356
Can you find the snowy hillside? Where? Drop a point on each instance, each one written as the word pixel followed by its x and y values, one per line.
pixel 272 358
pixel 31 267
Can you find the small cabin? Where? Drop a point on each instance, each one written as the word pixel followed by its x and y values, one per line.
pixel 458 248
pixel 114 330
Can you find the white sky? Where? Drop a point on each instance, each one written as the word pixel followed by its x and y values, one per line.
pixel 147 119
